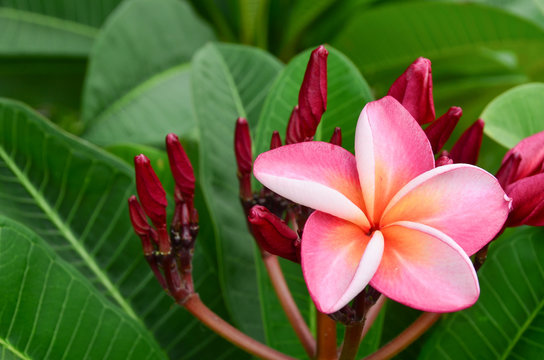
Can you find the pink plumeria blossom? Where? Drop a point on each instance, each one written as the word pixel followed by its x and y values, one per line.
pixel 387 216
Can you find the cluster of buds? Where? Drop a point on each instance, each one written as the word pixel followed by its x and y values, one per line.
pixel 168 253
pixel 264 209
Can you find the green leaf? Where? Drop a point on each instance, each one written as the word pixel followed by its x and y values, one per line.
pixel 74 196
pixel 507 322
pixel 137 88
pixel 51 311
pixel 347 91
pixel 230 81
pixel 55 27
pixel 515 114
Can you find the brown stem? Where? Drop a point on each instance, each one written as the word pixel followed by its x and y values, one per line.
pixel 405 338
pixel 196 307
pixel 353 335
pixel 372 314
pixel 326 337
pixel 288 304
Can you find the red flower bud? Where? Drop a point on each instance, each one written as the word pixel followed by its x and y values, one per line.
pixel 150 191
pixel 440 130
pixel 509 168
pixel 531 153
pixel 242 146
pixel 294 132
pixel 527 201
pixel 275 142
pixel 181 167
pixel 336 137
pixel 272 234
pixel 140 224
pixel 414 90
pixel 444 159
pixel 467 148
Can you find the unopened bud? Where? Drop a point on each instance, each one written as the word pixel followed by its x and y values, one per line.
pixel 275 142
pixel 150 191
pixel 294 132
pixel 336 137
pixel 242 146
pixel 509 169
pixel 467 148
pixel 531 152
pixel 414 90
pixel 140 224
pixel 440 130
pixel 181 167
pixel 443 160
pixel 527 201
pixel 272 234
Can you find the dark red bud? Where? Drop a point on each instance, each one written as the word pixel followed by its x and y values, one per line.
pixel 242 146
pixel 527 201
pixel 531 151
pixel 140 224
pixel 414 90
pixel 272 233
pixel 181 167
pixel 467 148
pixel 336 137
pixel 294 132
pixel 440 130
pixel 509 169
pixel 275 142
pixel 150 191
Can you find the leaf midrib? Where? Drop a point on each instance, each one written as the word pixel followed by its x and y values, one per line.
pixel 49 21
pixel 13 350
pixel 68 235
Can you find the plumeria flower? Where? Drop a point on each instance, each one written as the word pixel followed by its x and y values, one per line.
pixel 387 216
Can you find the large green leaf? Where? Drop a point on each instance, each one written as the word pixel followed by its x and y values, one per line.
pixel 230 81
pixel 348 92
pixel 53 27
pixel 137 88
pixel 74 196
pixel 50 311
pixel 507 322
pixel 515 114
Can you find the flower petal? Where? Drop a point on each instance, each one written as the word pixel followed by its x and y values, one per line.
pixel 462 201
pixel 316 174
pixel 425 269
pixel 531 151
pixel 338 260
pixel 527 201
pixel 391 149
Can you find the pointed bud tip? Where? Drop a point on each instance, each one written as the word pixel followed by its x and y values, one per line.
pixel 321 51
pixel 275 141
pixel 141 160
pixel 180 166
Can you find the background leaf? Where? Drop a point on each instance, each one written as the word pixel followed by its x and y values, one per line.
pixel 230 81
pixel 508 319
pixel 74 196
pixel 515 114
pixel 51 311
pixel 137 88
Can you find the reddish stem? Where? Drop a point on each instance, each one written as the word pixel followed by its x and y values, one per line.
pixel 326 337
pixel 405 338
pixel 288 303
pixel 195 306
pixel 372 314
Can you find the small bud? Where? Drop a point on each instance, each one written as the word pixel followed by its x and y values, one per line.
pixel 242 146
pixel 414 90
pixel 137 217
pixel 275 142
pixel 440 130
pixel 272 234
pixel 443 160
pixel 336 137
pixel 150 191
pixel 531 151
pixel 509 169
pixel 312 98
pixel 294 132
pixel 467 148
pixel 181 167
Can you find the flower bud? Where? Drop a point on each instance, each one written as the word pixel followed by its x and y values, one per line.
pixel 312 98
pixel 275 142
pixel 272 234
pixel 336 137
pixel 150 191
pixel 414 90
pixel 467 148
pixel 527 201
pixel 140 224
pixel 444 159
pixel 181 167
pixel 509 169
pixel 531 153
pixel 294 132
pixel 242 146
pixel 440 130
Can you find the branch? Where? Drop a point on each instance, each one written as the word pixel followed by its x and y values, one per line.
pixel 288 304
pixel 196 307
pixel 405 338
pixel 326 337
pixel 372 314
